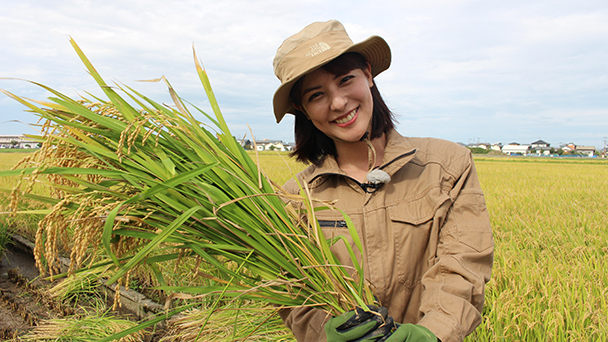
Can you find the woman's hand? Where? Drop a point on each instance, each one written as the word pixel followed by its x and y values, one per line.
pixel 375 325
pixel 359 326
pixel 409 333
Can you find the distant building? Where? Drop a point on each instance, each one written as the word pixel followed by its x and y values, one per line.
pixel 17 141
pixel 568 148
pixel 266 145
pixel 516 149
pixel 540 147
pixel 586 150
pixel 485 146
pixel 496 146
pixel 540 143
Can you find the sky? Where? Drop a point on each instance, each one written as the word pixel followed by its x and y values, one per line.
pixel 465 70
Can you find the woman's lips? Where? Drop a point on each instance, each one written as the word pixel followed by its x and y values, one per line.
pixel 345 120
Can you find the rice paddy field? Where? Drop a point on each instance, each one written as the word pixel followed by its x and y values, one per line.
pixel 23 225
pixel 550 219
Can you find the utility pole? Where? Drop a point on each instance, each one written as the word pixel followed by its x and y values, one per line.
pixel 604 148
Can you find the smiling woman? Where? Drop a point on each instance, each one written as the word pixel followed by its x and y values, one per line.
pixel 416 203
pixel 351 75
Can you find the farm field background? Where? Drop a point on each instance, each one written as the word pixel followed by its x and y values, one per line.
pixel 549 217
pixel 21 224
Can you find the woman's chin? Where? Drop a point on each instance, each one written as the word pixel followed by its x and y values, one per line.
pixel 350 137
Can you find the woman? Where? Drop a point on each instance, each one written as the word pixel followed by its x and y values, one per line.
pixel 416 202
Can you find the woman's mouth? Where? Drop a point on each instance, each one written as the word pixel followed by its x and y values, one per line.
pixel 347 118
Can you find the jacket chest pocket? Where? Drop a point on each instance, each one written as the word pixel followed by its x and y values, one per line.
pixel 334 228
pixel 415 227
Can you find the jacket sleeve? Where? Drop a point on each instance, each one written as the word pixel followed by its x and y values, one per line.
pixel 306 323
pixel 453 295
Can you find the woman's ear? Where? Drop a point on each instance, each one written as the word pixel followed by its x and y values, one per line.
pixel 368 74
pixel 301 109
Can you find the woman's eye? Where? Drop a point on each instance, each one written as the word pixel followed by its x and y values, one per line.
pixel 313 96
pixel 346 79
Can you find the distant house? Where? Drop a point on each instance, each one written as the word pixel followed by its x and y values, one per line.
pixel 485 146
pixel 586 150
pixel 516 149
pixel 246 143
pixel 272 145
pixel 266 145
pixel 540 143
pixel 496 146
pixel 540 147
pixel 17 141
pixel 568 148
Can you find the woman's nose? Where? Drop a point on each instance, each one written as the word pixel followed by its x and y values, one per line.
pixel 338 102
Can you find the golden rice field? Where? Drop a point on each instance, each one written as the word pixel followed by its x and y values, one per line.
pixel 23 225
pixel 550 221
pixel 550 228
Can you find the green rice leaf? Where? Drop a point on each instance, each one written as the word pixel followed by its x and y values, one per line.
pixel 153 244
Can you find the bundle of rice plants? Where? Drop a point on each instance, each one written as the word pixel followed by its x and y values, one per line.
pixel 82 286
pixel 148 183
pixel 90 328
pixel 250 321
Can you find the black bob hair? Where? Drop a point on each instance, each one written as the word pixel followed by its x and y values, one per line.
pixel 312 145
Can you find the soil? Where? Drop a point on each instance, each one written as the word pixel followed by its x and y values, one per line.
pixel 23 299
pixel 22 304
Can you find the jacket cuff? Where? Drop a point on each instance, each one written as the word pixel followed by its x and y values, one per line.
pixel 445 329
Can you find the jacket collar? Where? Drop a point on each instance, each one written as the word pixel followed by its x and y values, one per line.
pixel 397 153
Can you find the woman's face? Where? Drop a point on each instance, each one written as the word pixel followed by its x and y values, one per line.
pixel 339 105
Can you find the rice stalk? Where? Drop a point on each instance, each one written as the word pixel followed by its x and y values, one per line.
pixel 5 239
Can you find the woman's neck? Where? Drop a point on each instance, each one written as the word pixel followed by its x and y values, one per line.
pixel 353 157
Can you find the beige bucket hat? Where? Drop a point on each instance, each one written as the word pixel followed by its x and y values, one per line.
pixel 317 44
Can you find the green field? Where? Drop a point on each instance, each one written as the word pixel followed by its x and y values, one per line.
pixel 549 216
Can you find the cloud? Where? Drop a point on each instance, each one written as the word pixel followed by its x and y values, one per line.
pixel 461 69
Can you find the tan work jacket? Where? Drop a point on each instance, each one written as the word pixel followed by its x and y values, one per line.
pixel 426 235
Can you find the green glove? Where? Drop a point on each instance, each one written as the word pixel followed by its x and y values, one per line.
pixel 410 333
pixel 357 325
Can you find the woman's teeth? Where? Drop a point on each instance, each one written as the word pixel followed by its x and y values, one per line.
pixel 347 118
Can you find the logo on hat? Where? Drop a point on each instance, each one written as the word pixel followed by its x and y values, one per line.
pixel 317 48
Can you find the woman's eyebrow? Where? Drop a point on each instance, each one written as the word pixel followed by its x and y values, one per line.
pixel 311 89
pixel 318 86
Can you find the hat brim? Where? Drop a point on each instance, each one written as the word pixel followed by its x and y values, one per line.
pixel 375 50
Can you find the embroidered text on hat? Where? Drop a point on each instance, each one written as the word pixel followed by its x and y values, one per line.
pixel 317 49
